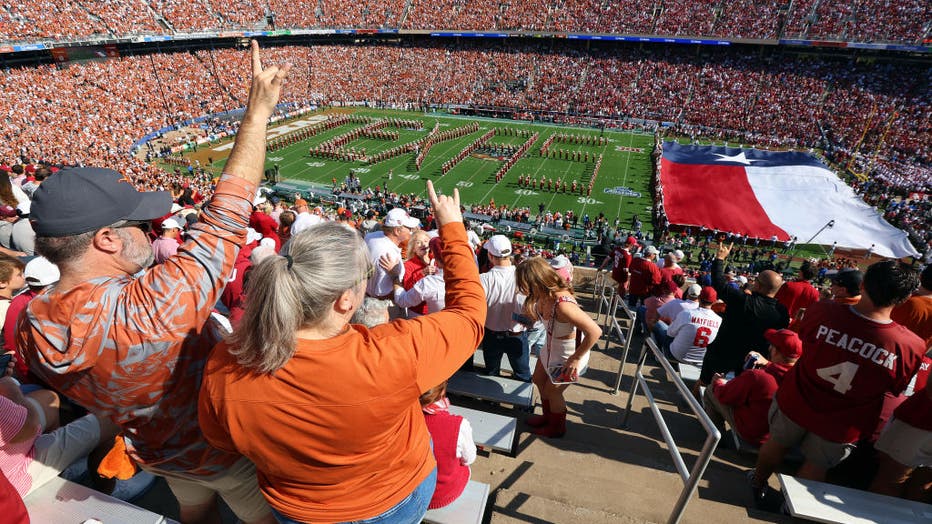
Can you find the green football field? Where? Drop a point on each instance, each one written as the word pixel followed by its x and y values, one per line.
pixel 621 188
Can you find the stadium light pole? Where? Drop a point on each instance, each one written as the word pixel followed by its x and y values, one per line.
pixel 830 224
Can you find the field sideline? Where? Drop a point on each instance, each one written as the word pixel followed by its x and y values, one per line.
pixel 625 166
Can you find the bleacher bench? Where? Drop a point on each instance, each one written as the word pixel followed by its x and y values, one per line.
pixel 490 430
pixel 478 359
pixel 62 500
pixel 496 389
pixel 689 372
pixel 477 217
pixel 823 502
pixel 515 226
pixel 469 508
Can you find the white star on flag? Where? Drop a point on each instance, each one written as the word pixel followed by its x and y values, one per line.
pixel 739 158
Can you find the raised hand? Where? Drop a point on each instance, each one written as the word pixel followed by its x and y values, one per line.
pixel 266 85
pixel 446 209
pixel 723 250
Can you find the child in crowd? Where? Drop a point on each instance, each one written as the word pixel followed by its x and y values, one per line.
pixel 454 448
pixel 11 281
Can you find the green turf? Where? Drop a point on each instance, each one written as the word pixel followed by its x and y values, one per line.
pixel 474 176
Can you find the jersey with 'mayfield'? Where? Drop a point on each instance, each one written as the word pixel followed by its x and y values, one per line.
pixel 836 388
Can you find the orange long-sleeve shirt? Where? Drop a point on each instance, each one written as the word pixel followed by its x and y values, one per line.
pixel 337 434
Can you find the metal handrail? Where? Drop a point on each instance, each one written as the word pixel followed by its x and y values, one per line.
pixel 625 338
pixel 692 477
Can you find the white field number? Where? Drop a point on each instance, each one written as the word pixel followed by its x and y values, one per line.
pixel 360 170
pixel 464 183
pixel 316 164
pixel 409 177
pixel 526 192
pixel 587 200
pixel 840 375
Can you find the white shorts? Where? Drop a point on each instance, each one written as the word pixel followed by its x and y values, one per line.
pixel 906 444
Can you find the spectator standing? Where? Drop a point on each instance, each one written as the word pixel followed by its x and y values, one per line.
pixel 853 356
pixel 846 286
pixel 303 217
pixel 351 444
pixel 562 361
pixel 645 275
pixel 799 293
pixel 745 400
pixel 693 330
pixel 417 266
pixel 385 251
pixel 429 290
pixel 94 337
pixel 166 245
pixel 745 319
pixel 906 442
pixel 504 334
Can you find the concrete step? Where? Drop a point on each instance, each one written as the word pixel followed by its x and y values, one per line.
pixel 513 507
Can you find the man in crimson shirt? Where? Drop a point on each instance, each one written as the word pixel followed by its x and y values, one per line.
pixel 853 355
pixel 906 442
pixel 745 400
pixel 620 258
pixel 799 293
pixel 644 276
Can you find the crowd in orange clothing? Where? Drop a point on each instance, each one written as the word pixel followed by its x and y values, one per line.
pixel 867 21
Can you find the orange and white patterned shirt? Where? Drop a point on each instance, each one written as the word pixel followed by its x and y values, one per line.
pixel 133 349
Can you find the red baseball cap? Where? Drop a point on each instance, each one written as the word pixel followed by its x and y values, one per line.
pixel 631 241
pixel 708 294
pixel 787 342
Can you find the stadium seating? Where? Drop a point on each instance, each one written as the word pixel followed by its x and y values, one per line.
pixel 871 20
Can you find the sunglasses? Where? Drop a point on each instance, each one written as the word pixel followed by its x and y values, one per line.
pixel 144 225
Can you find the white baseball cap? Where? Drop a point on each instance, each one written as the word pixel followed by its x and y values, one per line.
pixel 679 256
pixel 559 261
pixel 694 290
pixel 170 223
pixel 40 272
pixel 399 217
pixel 499 246
pixel 651 250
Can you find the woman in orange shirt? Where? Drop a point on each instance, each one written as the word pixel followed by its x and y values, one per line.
pixel 329 411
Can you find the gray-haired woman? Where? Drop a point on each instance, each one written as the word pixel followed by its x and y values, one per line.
pixel 326 410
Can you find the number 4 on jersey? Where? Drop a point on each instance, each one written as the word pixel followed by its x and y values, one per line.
pixel 840 375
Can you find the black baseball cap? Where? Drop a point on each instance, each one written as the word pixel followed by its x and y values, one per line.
pixel 850 279
pixel 76 200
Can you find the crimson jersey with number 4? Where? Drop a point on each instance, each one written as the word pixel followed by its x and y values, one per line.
pixel 836 388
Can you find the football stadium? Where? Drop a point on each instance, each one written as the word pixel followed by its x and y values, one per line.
pixel 562 261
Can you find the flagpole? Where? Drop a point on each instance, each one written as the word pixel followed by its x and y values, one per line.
pixel 829 224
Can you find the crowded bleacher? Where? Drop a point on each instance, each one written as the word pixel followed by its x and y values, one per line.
pixel 903 21
pixel 155 323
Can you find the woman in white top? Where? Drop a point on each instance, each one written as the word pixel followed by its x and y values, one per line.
pixel 562 360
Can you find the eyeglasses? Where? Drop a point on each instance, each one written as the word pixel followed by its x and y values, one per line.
pixel 144 225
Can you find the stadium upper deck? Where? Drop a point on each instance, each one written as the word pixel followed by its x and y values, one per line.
pixel 895 21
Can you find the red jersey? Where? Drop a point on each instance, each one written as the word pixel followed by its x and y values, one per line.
pixel 836 389
pixel 750 395
pixel 797 294
pixel 621 260
pixel 644 276
pixel 915 410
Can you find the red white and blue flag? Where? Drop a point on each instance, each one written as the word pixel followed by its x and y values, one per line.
pixel 764 194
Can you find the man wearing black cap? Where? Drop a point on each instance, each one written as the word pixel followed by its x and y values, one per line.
pixel 846 286
pixel 130 344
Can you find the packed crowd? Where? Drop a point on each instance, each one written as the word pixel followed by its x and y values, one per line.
pixel 879 109
pixel 871 21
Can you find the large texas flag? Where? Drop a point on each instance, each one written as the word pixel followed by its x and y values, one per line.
pixel 764 193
